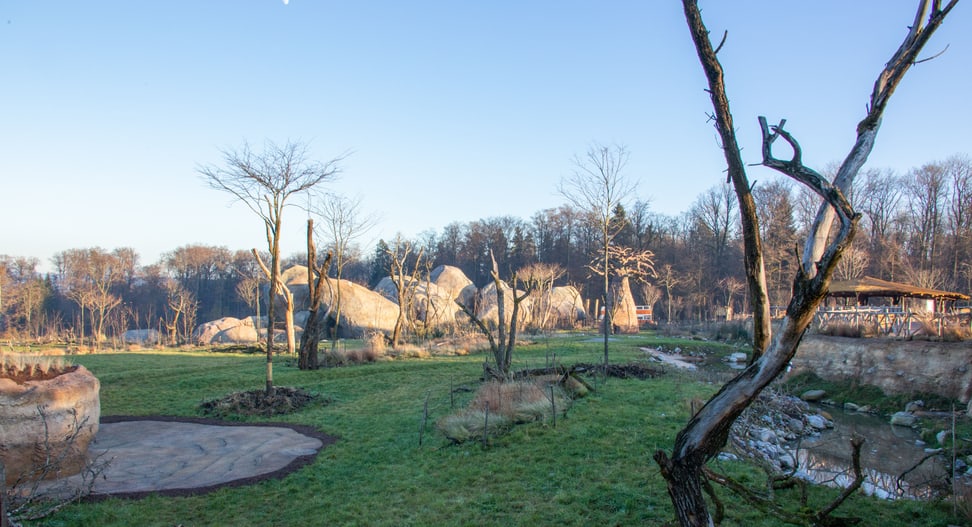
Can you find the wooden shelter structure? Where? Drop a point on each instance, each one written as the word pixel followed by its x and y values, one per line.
pixel 892 308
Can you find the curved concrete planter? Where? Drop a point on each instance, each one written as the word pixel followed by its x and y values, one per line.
pixel 66 401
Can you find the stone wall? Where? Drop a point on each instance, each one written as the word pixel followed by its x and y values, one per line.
pixel 895 366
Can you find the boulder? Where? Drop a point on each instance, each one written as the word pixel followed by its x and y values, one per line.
pixel 487 308
pixel 226 330
pixel 362 310
pixel 141 336
pixel 813 395
pixel 454 283
pixel 903 419
pixel 818 422
pixel 430 304
pixel 565 304
pixel 737 357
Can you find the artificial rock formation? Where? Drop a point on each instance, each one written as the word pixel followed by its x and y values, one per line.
pixel 70 406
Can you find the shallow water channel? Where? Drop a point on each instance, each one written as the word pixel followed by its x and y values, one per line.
pixel 888 452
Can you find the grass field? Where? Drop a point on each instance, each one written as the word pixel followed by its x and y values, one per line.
pixel 593 468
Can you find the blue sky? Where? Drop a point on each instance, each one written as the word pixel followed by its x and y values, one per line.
pixel 454 111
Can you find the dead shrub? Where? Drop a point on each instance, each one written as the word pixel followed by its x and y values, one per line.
pixel 377 342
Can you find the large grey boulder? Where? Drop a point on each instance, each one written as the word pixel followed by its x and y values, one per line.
pixel 429 304
pixel 141 336
pixel 454 283
pixel 226 330
pixel 487 307
pixel 559 307
pixel 363 311
pixel 568 306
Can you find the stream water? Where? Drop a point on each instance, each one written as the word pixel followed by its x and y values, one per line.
pixel 888 452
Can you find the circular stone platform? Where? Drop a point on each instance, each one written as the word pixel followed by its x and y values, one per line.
pixel 178 456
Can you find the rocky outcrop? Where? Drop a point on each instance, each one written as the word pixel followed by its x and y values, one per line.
pixel 895 366
pixel 54 417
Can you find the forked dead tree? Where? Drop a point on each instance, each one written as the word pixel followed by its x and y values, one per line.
pixel 504 342
pixel 707 431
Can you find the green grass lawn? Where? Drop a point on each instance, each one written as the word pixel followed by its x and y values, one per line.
pixel 593 468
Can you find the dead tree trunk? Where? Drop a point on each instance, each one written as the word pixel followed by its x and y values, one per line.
pixel 706 433
pixel 311 338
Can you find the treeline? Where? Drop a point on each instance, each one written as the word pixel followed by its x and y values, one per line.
pixel 916 227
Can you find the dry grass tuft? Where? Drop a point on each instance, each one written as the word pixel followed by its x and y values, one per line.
pixel 499 405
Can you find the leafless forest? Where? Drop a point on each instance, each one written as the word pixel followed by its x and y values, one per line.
pixel 916 228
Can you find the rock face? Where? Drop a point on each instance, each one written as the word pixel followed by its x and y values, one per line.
pixel 70 402
pixel 895 366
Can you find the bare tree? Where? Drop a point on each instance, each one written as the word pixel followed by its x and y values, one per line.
pixel 540 277
pixel 668 279
pixel 504 342
pixel 958 170
pixel 400 257
pixel 707 431
pixel 265 183
pixel 344 222
pixel 733 286
pixel 599 186
pixel 89 276
pixel 181 319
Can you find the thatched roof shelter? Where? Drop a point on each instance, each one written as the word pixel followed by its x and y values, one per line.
pixel 866 287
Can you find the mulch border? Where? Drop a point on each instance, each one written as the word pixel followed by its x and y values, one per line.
pixel 296 464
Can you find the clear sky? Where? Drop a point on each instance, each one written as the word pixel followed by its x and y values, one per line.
pixel 454 111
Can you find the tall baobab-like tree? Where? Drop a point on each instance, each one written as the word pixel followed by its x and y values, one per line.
pixel 707 431
pixel 599 186
pixel 265 182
